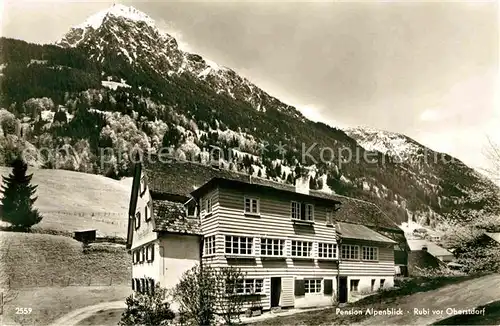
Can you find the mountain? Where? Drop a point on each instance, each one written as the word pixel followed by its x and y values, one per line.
pixel 129 34
pixel 116 83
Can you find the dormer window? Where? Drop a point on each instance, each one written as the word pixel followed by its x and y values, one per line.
pixel 329 217
pixel 252 206
pixel 208 205
pixel 302 212
pixel 191 211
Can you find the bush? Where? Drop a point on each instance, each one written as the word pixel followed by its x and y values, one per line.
pixel 204 293
pixel 147 309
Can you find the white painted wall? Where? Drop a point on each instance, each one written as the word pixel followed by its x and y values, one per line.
pixel 148 269
pixel 364 287
pixel 177 254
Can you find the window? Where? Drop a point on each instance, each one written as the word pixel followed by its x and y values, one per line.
pixel 309 212
pixel 329 217
pixel 302 211
pixel 148 210
pixel 246 286
pixel 152 286
pixel 301 248
pixel 327 250
pixel 150 253
pixel 238 245
pixel 271 247
pixel 191 210
pixel 137 220
pixel 208 205
pixel 142 255
pixel 354 285
pixel 350 252
pixel 137 256
pixel 370 253
pixel 295 210
pixel 252 206
pixel 312 285
pixel 209 245
pixel 137 285
pixel 143 285
pixel 143 185
pixel 382 282
pixel 373 285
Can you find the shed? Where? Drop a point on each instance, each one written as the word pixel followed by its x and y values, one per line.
pixel 85 235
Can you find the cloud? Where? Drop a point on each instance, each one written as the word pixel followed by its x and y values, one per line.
pixel 431 115
pixel 170 29
pixel 311 112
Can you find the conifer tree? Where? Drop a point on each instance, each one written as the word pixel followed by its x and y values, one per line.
pixel 18 199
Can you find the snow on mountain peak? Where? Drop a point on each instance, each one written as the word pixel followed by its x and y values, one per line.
pixel 385 142
pixel 117 10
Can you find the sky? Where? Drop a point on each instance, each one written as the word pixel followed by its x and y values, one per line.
pixel 428 69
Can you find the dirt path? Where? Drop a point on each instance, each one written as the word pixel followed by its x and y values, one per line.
pixel 465 295
pixel 78 315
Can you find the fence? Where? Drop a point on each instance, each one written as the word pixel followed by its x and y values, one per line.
pixel 66 282
pixel 96 216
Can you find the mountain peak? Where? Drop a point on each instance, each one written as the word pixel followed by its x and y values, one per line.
pixel 117 10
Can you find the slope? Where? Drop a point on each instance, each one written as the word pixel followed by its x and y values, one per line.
pixel 180 102
pixel 71 200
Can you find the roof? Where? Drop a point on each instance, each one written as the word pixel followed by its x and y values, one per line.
pixel 432 248
pixel 360 232
pixel 181 178
pixel 88 230
pixel 418 260
pixel 494 235
pixel 171 217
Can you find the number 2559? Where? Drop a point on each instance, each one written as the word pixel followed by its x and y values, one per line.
pixel 23 311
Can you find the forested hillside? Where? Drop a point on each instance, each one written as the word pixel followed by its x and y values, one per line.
pixel 123 84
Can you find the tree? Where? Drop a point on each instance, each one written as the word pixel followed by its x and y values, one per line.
pixel 204 292
pixel 492 154
pixel 60 116
pixel 149 309
pixel 18 197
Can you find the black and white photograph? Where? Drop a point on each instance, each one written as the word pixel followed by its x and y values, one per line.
pixel 249 162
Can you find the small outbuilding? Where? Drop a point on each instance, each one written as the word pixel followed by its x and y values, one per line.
pixel 85 235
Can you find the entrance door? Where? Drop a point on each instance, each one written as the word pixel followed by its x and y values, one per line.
pixel 275 291
pixel 343 289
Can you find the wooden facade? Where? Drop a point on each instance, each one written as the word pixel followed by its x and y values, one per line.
pixel 289 259
pixel 226 217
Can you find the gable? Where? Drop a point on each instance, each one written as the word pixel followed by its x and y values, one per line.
pixel 134 195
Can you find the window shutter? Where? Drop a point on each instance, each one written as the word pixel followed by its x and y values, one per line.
pixel 299 288
pixel 328 287
pixel 133 284
pixel 152 286
pixel 152 252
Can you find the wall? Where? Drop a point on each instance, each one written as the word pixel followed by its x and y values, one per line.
pixel 364 287
pixel 177 253
pixel 228 218
pixel 148 269
pixel 144 233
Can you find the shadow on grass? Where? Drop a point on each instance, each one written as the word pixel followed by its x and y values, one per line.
pixel 380 300
pixel 491 317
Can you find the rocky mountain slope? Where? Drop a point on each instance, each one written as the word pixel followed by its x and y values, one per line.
pixel 118 82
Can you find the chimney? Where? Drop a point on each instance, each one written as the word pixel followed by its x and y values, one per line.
pixel 302 184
